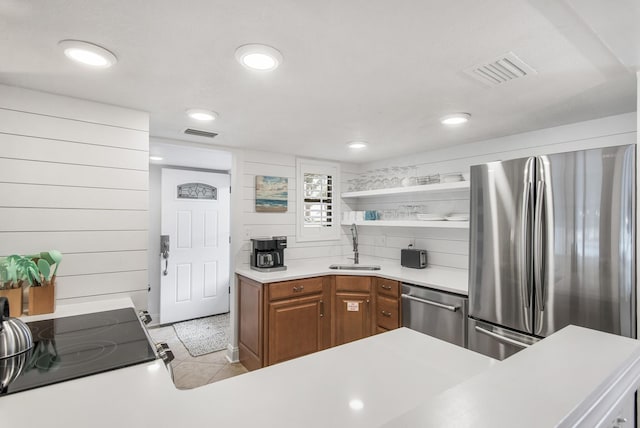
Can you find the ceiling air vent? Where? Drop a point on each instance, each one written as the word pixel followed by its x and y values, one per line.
pixel 500 70
pixel 199 133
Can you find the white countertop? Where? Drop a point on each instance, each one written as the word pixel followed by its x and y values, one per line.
pixel 402 378
pixel 560 381
pixel 81 308
pixel 440 278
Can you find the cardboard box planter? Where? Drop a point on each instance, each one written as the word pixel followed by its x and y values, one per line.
pixel 15 300
pixel 42 299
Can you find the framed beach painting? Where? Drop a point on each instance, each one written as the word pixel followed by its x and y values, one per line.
pixel 271 194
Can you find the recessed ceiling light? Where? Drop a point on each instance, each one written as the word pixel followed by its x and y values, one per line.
pixel 356 404
pixel 201 114
pixel 357 145
pixel 155 158
pixel 87 53
pixel 455 119
pixel 258 57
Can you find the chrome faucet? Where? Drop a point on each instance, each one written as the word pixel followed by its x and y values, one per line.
pixel 354 235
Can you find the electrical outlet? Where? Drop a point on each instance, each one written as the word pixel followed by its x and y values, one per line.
pixel 412 242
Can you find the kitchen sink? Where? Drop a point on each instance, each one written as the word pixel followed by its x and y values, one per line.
pixel 355 267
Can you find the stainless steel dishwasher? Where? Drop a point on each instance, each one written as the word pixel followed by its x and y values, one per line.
pixel 436 313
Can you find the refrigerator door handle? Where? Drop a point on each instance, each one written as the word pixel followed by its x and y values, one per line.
pixel 524 235
pixel 501 338
pixel 538 246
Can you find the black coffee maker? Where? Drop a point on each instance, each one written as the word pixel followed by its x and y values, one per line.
pixel 267 254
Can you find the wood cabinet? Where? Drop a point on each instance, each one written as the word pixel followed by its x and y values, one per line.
pixel 352 309
pixel 295 328
pixel 296 319
pixel 282 320
pixel 388 305
pixel 250 323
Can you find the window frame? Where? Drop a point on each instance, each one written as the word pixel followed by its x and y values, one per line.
pixel 312 166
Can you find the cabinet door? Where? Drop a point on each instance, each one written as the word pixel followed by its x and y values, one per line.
pixel 352 316
pixel 295 328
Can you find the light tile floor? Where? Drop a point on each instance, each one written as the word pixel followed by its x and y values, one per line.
pixel 191 372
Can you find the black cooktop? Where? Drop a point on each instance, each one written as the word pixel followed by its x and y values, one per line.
pixel 72 347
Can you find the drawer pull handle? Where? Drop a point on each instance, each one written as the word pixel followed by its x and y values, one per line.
pixel 385 313
pixel 386 287
pixel 296 289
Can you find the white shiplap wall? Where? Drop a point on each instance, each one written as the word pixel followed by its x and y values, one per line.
pixel 74 177
pixel 449 247
pixel 256 224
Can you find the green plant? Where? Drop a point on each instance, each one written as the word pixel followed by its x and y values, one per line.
pixel 9 273
pixel 29 271
pixel 52 257
pixel 4 275
pixel 14 270
pixel 45 260
pixel 34 269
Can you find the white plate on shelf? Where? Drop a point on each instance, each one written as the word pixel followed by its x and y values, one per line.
pixel 457 217
pixel 430 217
pixel 452 178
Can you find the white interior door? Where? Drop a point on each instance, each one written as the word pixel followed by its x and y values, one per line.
pixel 195 215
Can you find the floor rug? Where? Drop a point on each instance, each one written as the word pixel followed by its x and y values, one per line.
pixel 204 335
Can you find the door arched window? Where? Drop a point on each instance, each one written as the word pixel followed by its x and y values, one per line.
pixel 197 191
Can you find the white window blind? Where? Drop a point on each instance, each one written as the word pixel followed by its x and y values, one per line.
pixel 317 200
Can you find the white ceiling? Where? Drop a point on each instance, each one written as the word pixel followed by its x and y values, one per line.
pixel 378 70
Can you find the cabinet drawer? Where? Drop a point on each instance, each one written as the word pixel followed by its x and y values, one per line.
pixel 353 283
pixel 300 287
pixel 388 313
pixel 388 287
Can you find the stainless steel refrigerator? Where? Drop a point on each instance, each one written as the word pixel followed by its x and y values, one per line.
pixel 552 243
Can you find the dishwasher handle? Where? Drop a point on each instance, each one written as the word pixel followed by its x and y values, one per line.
pixel 431 302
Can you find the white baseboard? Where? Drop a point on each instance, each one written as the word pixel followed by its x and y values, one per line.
pixel 233 353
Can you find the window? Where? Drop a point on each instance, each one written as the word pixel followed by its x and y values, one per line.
pixel 318 193
pixel 197 191
pixel 318 201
